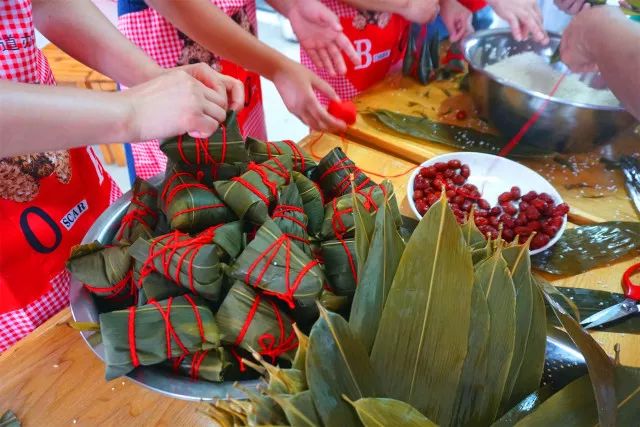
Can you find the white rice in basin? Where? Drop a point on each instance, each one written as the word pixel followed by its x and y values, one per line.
pixel 534 73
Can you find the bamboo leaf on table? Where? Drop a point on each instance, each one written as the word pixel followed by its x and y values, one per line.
pixel 337 364
pixel 583 248
pixel 430 292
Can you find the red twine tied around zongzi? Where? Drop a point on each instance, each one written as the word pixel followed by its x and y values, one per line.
pixel 138 214
pixel 270 346
pixel 170 244
pixel 169 193
pixel 282 211
pixel 259 169
pixel 202 149
pixel 115 291
pixel 296 154
pixel 170 332
pixel 268 256
pixel 340 229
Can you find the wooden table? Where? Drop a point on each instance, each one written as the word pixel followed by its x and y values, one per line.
pixel 52 378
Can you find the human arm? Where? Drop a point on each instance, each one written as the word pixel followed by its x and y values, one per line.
pixel 219 34
pixel 524 18
pixel 319 33
pixel 456 18
pixel 570 6
pixel 592 41
pixel 82 31
pixel 37 118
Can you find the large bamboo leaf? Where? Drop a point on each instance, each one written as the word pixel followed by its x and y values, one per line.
pixel 375 279
pixel 451 135
pixel 378 412
pixel 575 405
pixel 589 301
pixel 364 227
pixel 337 364
pixel 300 359
pixel 418 353
pixel 299 409
pixel 525 407
pixel 583 248
pixel 518 383
pixel 600 366
pixel 472 235
pixel 473 378
pixel 495 280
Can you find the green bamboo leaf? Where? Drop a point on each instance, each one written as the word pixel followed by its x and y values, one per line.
pixel 517 258
pixel 552 292
pixel 451 135
pixel 9 419
pixel 575 405
pixel 312 200
pixel 291 221
pixel 210 365
pixel 300 358
pixel 474 371
pixel 299 409
pixel 380 412
pixel 472 235
pixel 333 174
pixel 264 410
pixel 364 226
pixel 431 291
pixel 589 301
pixel 260 151
pixel 583 248
pixel 337 364
pixel 493 277
pixel 141 216
pixel 341 266
pixel 600 366
pixel 375 279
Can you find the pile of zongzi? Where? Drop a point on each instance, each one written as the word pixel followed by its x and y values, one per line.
pixel 232 249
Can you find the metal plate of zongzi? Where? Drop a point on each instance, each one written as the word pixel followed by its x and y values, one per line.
pixel 83 309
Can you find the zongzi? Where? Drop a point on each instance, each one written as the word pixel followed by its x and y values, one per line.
pixel 141 216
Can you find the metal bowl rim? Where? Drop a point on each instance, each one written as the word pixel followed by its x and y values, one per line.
pixel 472 38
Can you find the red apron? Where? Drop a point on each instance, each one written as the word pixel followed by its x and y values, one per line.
pixel 48 201
pixel 168 47
pixel 474 5
pixel 379 39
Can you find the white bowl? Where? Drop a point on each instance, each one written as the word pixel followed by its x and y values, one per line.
pixel 494 175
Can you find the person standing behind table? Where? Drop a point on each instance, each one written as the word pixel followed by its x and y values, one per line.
pixel 221 34
pixel 49 200
pixel 377 29
pixel 603 39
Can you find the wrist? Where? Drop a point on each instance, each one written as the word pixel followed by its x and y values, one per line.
pixel 280 66
pixel 149 71
pixel 126 127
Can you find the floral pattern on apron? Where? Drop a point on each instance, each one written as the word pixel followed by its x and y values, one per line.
pixel 48 201
pixel 379 38
pixel 169 47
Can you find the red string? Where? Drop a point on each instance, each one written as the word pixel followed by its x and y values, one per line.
pixel 169 193
pixel 340 229
pixel 138 214
pixel 115 290
pixel 270 346
pixel 202 149
pixel 170 244
pixel 262 174
pixel 536 116
pixel 270 253
pixel 196 362
pixel 132 337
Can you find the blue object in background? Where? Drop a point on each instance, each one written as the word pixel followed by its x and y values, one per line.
pixel 131 166
pixel 482 20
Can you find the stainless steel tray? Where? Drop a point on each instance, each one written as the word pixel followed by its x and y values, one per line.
pixel 83 309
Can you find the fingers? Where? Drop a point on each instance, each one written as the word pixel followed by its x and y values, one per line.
pixel 218 97
pixel 345 45
pixel 338 60
pixel 533 26
pixel 515 27
pixel 324 88
pixel 322 120
pixel 326 61
pixel 203 127
pixel 235 92
pixel 315 57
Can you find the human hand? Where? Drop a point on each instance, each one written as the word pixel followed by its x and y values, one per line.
pixel 230 89
pixel 456 18
pixel 296 86
pixel 177 103
pixel 524 18
pixel 570 6
pixel 574 49
pixel 319 32
pixel 420 11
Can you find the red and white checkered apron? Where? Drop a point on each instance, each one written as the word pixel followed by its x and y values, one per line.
pixel 380 45
pixel 41 220
pixel 162 42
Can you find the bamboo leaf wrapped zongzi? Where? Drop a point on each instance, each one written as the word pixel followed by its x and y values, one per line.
pixel 260 151
pixel 334 175
pixel 290 217
pixel 251 195
pixel 312 201
pixel 154 333
pixel 189 205
pixel 252 321
pixel 341 268
pixel 141 216
pixel 209 365
pixel 226 145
